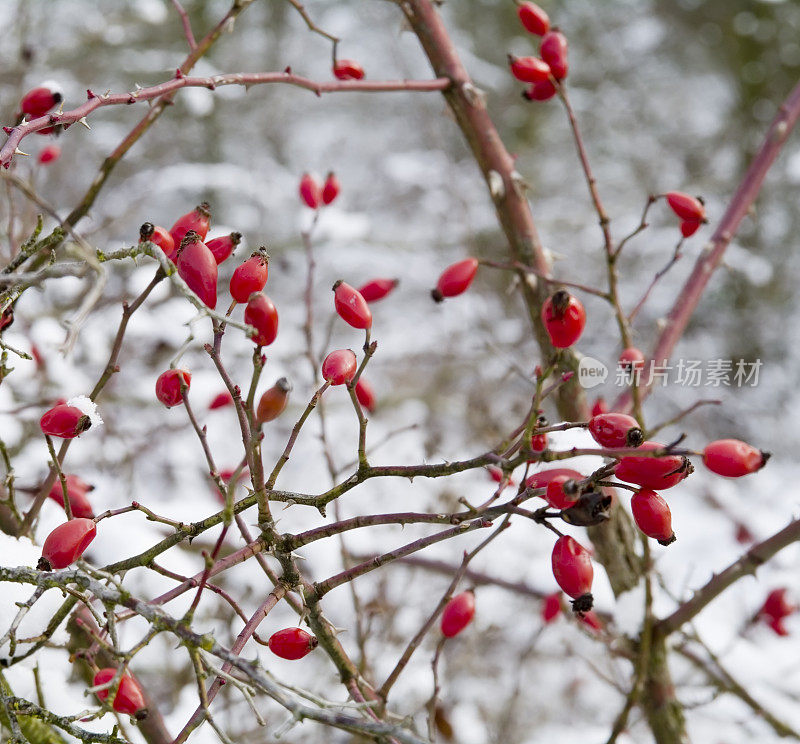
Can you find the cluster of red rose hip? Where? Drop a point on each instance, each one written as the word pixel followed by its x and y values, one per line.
pixel 545 72
pixel 196 262
pixel 563 317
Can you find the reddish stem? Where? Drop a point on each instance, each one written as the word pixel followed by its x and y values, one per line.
pixel 749 187
pixel 80 113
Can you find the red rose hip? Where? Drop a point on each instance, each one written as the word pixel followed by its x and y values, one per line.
pixel 77 489
pixel 251 276
pixel 351 306
pixel 615 430
pixel 168 386
pixel 38 101
pixel 339 367
pixel 159 235
pixel 498 475
pixel 690 227
pixel 365 394
pixel 529 69
pixel 310 191
pixel 564 318
pixel 198 220
pixel 198 268
pixel 292 643
pixel 64 421
pixel 778 627
pixel 554 53
pixel 220 400
pixel 652 516
pixel 49 154
pixel 330 189
pixel 533 18
pixel 686 207
pixel 733 458
pixel 600 406
pixel 543 478
pixel 656 473
pixel 66 543
pixel 6 317
pixel 455 279
pixel 348 69
pixel 458 613
pixel 377 289
pixel 539 442
pixel 591 621
pixel 221 248
pixel 560 497
pixel 572 569
pixel 260 313
pixel 551 607
pixel 129 698
pixel 776 606
pixel 542 91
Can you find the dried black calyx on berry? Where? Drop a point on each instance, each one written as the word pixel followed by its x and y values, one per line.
pixel 584 603
pixel 634 437
pixel 560 301
pixel 571 487
pixel 190 238
pixel 591 508
pixel 146 231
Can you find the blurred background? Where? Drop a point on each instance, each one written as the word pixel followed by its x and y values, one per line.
pixel 669 95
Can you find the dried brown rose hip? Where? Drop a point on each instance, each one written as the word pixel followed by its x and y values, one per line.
pixel 273 401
